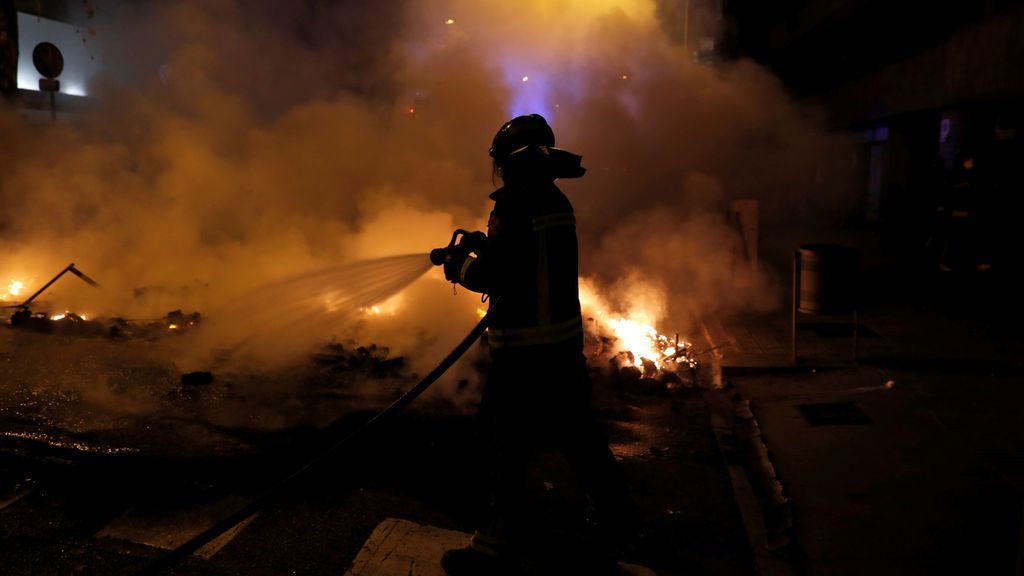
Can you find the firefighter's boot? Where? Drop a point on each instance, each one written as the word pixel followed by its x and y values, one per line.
pixel 469 561
pixel 480 558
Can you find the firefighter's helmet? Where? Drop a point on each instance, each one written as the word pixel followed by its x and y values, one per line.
pixel 525 147
pixel 520 132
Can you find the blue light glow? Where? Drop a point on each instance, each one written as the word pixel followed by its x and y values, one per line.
pixel 530 94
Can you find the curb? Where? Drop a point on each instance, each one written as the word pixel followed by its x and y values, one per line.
pixel 765 509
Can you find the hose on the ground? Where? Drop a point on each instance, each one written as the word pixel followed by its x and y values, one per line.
pixel 273 493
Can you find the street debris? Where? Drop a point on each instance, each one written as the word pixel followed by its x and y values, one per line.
pixel 201 378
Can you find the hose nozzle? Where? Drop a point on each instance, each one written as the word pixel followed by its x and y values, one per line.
pixel 462 243
pixel 438 256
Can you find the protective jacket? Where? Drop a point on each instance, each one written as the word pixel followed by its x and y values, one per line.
pixel 530 261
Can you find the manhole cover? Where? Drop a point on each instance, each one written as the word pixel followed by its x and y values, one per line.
pixel 833 413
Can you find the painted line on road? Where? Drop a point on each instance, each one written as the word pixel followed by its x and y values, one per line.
pixel 17 495
pixel 168 528
pixel 403 548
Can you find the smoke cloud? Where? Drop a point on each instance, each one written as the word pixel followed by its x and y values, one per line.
pixel 232 144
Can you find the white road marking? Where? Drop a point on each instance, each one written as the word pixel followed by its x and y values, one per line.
pixel 403 548
pixel 7 500
pixel 172 527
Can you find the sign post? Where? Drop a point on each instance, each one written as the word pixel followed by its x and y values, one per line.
pixel 50 63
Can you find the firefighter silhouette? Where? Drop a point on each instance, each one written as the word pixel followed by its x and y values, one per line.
pixel 963 233
pixel 538 389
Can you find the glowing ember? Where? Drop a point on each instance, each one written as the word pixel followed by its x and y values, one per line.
pixel 15 287
pixel 70 316
pixel 386 308
pixel 172 327
pixel 450 21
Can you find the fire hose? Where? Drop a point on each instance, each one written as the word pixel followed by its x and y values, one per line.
pixel 278 490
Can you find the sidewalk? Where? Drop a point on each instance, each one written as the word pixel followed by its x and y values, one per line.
pixel 909 461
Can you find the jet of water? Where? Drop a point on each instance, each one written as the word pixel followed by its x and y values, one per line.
pixel 283 321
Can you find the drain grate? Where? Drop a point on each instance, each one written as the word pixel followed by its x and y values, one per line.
pixel 838 329
pixel 1009 461
pixel 833 413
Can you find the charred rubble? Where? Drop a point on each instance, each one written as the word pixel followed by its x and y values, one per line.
pixel 71 323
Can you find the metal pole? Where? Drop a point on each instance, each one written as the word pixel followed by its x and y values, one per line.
pixel 796 296
pixel 856 309
pixel 45 286
pixel 85 278
pixel 70 268
pixel 686 26
pixel 856 332
pixel 1020 549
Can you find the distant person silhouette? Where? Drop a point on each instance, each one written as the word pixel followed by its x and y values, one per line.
pixel 965 243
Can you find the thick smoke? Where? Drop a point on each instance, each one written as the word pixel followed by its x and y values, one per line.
pixel 237 143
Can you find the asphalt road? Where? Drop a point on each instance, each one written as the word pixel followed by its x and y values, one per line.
pixel 101 479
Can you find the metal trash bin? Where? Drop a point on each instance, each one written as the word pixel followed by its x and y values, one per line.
pixel 828 279
pixel 825 282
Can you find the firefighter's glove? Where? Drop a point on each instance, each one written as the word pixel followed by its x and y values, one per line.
pixel 455 265
pixel 474 242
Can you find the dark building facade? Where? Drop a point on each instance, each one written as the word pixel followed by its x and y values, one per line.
pixel 8 48
pixel 934 92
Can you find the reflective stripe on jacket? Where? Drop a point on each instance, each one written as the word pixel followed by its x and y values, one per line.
pixel 531 261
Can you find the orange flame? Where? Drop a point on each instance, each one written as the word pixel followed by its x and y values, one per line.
pixel 14 289
pixel 388 307
pixel 634 332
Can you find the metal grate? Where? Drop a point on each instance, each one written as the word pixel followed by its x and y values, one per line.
pixel 837 329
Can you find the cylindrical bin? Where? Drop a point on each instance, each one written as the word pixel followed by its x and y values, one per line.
pixel 828 279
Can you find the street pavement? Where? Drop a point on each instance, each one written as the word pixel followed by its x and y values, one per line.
pixel 909 460
pixel 71 504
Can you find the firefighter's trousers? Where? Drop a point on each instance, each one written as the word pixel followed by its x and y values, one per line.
pixel 538 397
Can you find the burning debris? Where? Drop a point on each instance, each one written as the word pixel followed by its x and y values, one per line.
pixel 71 322
pixel 16 287
pixel 23 317
pixel 14 290
pixel 174 322
pixel 624 345
pixel 177 320
pixel 372 360
pixel 67 322
pixel 631 347
pixel 201 378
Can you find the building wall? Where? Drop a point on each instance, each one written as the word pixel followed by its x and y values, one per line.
pixel 979 63
pixel 8 48
pixel 924 85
